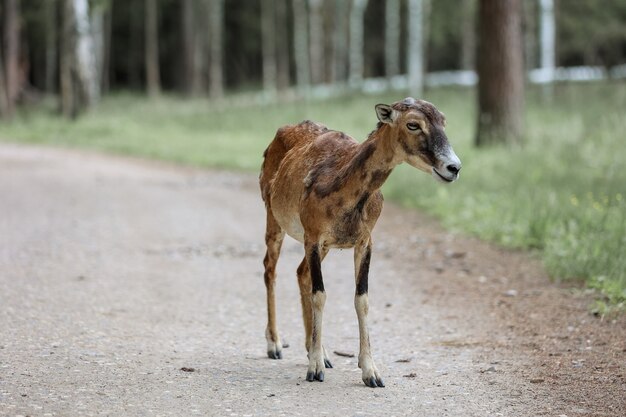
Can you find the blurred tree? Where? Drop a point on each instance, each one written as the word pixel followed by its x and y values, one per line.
pixel 268 28
pixel 98 20
pixel 500 72
pixel 340 41
pixel 80 86
pixel 188 31
pixel 529 23
pixel 415 51
pixel 282 45
pixel 85 53
pixel 12 53
pixel 301 45
pixel 548 63
pixel 4 100
pixel 468 35
pixel 153 78
pixel 316 39
pixel 200 47
pixel 105 63
pixel 216 28
pixel 392 38
pixel 357 14
pixel 50 11
pixel 193 14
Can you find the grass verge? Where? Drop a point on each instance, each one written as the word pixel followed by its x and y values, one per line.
pixel 563 193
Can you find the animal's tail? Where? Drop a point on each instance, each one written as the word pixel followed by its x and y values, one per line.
pixel 272 158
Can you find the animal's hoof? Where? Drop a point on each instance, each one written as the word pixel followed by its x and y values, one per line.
pixel 274 354
pixel 312 376
pixel 327 362
pixel 374 382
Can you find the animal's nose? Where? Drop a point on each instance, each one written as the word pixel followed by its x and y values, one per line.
pixel 454 168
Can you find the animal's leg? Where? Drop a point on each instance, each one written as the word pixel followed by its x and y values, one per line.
pixel 362 254
pixel 318 299
pixel 273 239
pixel 304 280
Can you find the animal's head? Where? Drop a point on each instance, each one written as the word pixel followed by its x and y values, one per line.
pixel 418 127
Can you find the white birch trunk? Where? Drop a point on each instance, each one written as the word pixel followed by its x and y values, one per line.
pixel 356 42
pixel 85 56
pixel 392 38
pixel 415 48
pixel 548 29
pixel 97 31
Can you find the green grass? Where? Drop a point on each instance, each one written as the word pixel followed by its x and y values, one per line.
pixel 563 194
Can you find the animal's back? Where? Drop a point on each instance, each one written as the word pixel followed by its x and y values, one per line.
pixel 287 138
pixel 294 152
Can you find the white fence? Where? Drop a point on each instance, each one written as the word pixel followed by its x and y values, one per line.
pixel 432 79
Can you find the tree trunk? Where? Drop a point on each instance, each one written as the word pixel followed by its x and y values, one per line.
pixel 548 34
pixel 301 45
pixel 316 30
pixel 468 35
pixel 12 52
pixel 188 47
pixel 153 78
pixel 135 59
pixel 340 41
pixel 200 46
pixel 51 46
pixel 357 23
pixel 68 78
pixel 194 46
pixel 4 102
pixel 106 54
pixel 392 38
pixel 97 20
pixel 282 45
pixel 268 28
pixel 500 72
pixel 216 28
pixel 415 48
pixel 529 24
pixel 85 56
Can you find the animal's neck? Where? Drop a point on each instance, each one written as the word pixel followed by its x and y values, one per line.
pixel 376 158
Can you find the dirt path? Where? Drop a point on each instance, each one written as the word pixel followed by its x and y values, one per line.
pixel 116 273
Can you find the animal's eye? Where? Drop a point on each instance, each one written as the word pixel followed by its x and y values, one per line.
pixel 413 126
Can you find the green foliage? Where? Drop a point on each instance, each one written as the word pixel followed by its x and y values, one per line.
pixel 562 194
pixel 591 32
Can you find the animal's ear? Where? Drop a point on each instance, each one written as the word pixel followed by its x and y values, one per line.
pixel 386 113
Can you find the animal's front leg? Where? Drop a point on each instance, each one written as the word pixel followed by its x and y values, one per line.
pixel 318 299
pixel 362 255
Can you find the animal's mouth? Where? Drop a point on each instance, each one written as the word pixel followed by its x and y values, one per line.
pixel 445 179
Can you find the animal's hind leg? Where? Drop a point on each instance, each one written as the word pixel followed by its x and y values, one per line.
pixel 304 280
pixel 273 239
pixel 362 255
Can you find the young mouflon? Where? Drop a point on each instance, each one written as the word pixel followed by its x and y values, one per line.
pixel 322 188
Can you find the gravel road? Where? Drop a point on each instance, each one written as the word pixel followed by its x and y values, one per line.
pixel 135 288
